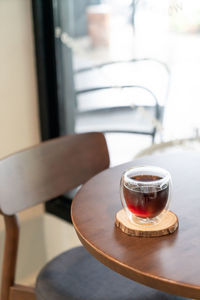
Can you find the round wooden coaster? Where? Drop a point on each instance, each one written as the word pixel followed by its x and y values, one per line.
pixel 167 225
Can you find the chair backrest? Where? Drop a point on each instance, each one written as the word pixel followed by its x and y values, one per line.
pixel 50 169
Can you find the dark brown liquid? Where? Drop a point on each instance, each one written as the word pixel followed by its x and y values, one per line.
pixel 146 204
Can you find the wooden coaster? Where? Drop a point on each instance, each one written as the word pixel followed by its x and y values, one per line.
pixel 167 225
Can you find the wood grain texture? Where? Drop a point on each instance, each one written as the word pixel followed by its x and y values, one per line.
pixel 167 225
pixel 50 169
pixel 10 255
pixel 36 175
pixel 170 263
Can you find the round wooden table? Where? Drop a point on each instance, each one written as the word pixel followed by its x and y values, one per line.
pixel 169 263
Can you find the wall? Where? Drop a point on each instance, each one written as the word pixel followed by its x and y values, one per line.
pixel 19 128
pixel 19 124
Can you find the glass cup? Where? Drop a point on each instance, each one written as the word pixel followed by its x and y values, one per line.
pixel 145 194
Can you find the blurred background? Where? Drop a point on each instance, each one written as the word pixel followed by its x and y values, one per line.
pixel 48 56
pixel 128 68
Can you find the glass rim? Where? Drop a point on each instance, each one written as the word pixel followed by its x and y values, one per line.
pixel 165 177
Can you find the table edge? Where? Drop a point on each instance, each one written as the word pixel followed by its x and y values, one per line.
pixel 160 283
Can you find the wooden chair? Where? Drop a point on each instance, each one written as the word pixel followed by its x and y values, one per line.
pixel 36 175
pixel 41 173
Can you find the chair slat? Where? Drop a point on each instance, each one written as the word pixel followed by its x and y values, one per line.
pixel 50 169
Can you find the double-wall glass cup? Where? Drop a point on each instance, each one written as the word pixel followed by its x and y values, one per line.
pixel 145 194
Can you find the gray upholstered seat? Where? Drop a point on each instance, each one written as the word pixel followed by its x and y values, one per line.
pixel 76 275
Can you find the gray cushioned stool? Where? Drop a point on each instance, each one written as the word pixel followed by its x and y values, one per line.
pixel 76 275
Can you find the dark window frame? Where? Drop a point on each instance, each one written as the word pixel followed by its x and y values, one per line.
pixel 47 70
pixel 43 25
